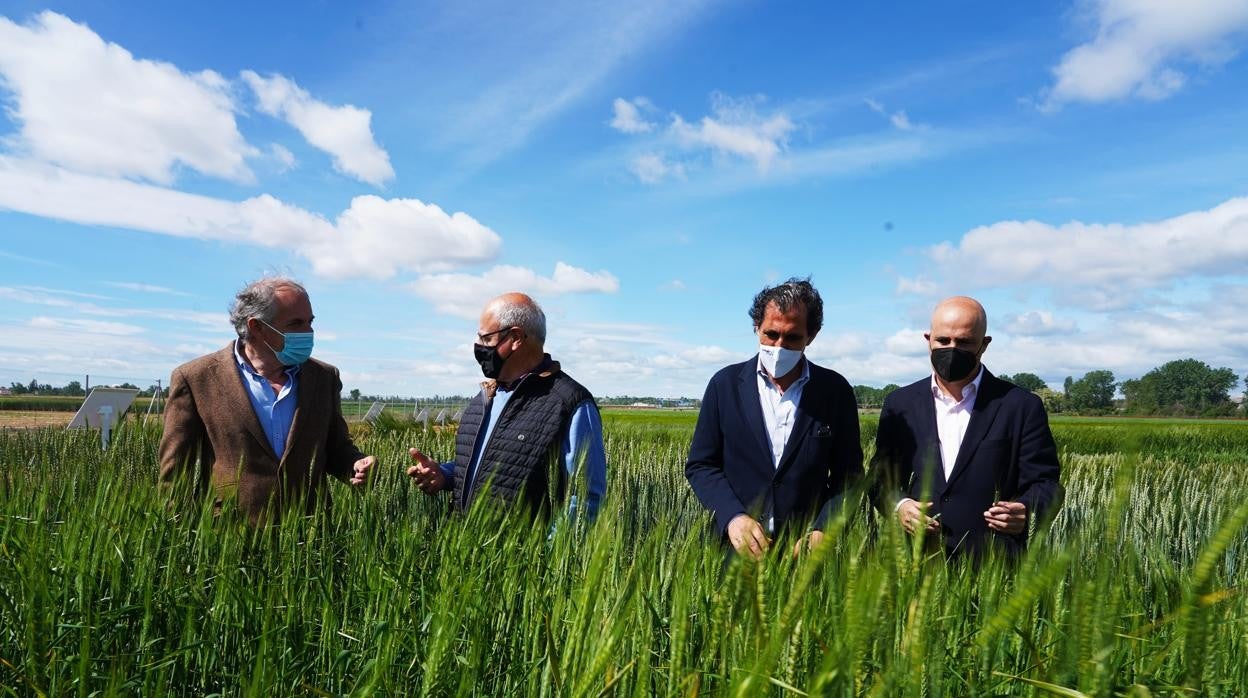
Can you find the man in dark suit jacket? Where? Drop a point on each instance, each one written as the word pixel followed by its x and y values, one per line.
pixel 962 453
pixel 259 420
pixel 776 442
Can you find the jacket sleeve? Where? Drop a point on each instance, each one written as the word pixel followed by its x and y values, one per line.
pixel 705 467
pixel 340 449
pixel 1039 472
pixel 846 466
pixel 185 455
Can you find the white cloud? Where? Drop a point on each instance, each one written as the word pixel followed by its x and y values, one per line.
pixel 1140 44
pixel 1100 266
pixel 76 326
pixel 907 342
pixel 919 286
pixel 652 168
pixel 344 132
pixel 898 119
pixel 673 285
pixel 145 288
pixel 92 106
pixel 465 294
pixel 374 237
pixel 54 298
pixel 628 118
pixel 736 129
pixel 283 157
pixel 1038 323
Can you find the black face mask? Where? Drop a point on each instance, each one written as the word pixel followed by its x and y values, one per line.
pixel 488 357
pixel 954 364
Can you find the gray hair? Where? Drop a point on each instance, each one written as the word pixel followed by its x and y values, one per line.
pixel 528 316
pixel 258 299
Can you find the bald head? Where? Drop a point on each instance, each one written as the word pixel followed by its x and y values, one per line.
pixel 962 312
pixel 516 309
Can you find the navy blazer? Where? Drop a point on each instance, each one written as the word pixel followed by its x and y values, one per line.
pixel 1007 454
pixel 730 463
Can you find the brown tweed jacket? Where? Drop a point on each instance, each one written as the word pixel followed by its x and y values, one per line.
pixel 213 441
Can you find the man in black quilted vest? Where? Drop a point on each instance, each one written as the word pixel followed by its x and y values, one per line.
pixel 530 430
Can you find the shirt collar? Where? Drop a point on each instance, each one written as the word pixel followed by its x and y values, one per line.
pixel 971 388
pixel 242 361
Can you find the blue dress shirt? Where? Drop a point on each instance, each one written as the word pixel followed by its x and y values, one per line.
pixel 275 412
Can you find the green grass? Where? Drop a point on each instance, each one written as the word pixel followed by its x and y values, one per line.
pixel 1137 588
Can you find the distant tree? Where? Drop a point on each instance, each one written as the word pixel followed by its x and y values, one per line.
pixel 73 388
pixel 1028 381
pixel 18 388
pixel 355 393
pixel 1054 402
pixel 868 396
pixel 1093 392
pixel 1067 384
pixel 1186 386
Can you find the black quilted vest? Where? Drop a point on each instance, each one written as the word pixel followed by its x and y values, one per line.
pixel 522 459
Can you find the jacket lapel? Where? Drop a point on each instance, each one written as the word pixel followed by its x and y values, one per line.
pixel 235 398
pixel 752 409
pixel 982 416
pixel 929 445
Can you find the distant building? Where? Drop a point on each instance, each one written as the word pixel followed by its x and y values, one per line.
pixel 5 391
pixel 643 405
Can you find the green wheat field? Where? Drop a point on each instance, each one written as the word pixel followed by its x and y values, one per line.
pixel 1136 589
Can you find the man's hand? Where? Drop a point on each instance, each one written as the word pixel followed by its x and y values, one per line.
pixel 913 514
pixel 812 540
pixel 747 536
pixel 1007 517
pixel 361 468
pixel 426 473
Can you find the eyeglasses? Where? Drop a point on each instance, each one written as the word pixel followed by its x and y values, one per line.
pixel 482 337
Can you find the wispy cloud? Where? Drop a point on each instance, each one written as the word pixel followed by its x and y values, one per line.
pixel 628 115
pixel 899 119
pixel 58 299
pixel 145 288
pixel 553 55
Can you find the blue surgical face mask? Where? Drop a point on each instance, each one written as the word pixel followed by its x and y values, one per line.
pixel 296 349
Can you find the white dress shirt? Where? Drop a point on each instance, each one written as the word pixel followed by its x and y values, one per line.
pixel 780 409
pixel 952 418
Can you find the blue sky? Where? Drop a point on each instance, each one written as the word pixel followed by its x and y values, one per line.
pixel 642 169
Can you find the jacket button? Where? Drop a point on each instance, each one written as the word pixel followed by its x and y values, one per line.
pixel 944 499
pixel 520 437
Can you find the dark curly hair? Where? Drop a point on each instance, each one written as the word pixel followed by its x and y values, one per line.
pixel 787 295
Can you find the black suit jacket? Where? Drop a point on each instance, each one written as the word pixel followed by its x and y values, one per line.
pixel 1007 454
pixel 730 463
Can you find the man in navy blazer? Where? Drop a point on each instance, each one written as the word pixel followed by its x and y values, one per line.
pixel 962 453
pixel 777 439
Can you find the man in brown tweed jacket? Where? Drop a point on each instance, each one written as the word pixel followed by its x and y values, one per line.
pixel 259 420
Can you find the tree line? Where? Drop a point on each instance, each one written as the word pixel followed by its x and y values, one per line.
pixel 72 389
pixel 1184 388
